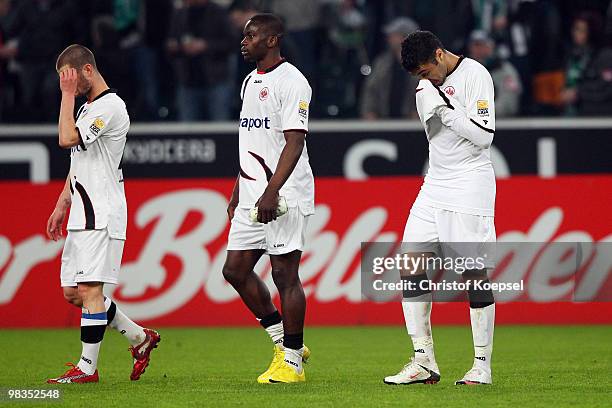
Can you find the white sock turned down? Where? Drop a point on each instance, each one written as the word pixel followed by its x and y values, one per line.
pixel 276 333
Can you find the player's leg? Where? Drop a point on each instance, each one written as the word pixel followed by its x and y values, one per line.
pixel 418 242
pixel 293 304
pixel 71 295
pixel 91 253
pixel 69 270
pixel 482 319
pixel 416 306
pixel 89 295
pixel 285 240
pixel 93 324
pixel 97 257
pixel 117 320
pixel 473 236
pixel 238 272
pixel 142 340
pixel 246 243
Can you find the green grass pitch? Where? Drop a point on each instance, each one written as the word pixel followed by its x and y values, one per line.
pixel 532 365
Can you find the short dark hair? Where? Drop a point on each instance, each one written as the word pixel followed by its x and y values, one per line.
pixel 419 48
pixel 271 24
pixel 76 56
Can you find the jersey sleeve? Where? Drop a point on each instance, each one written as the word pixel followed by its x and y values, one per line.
pixel 480 100
pixel 428 99
pixel 96 123
pixel 295 102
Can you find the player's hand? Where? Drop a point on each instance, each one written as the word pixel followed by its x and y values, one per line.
pixel 267 206
pixel 68 81
pixel 54 224
pixel 444 97
pixel 428 100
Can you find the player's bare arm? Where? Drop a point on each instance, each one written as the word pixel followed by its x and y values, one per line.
pixel 68 134
pixel 268 202
pixel 56 219
pixel 233 203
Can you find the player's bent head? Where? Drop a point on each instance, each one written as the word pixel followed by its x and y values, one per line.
pixel 421 48
pixel 76 56
pixel 270 25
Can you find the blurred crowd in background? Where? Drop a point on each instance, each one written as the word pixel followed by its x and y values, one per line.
pixel 180 59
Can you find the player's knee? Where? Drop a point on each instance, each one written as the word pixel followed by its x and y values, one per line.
pixel 89 292
pixel 72 296
pixel 415 286
pixel 232 275
pixel 475 274
pixel 479 293
pixel 283 278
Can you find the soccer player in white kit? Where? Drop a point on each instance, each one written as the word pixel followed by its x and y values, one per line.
pixel 455 102
pixel 273 163
pixel 98 212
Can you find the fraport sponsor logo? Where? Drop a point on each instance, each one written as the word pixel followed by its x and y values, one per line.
pixel 257 123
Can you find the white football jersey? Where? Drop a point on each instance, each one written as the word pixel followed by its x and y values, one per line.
pixel 460 176
pixel 96 179
pixel 273 101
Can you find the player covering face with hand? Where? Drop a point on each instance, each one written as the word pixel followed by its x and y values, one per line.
pixel 98 212
pixel 274 169
pixel 455 103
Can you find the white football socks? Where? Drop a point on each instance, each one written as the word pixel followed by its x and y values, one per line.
pixel 89 357
pixel 417 312
pixel 483 325
pixel 133 332
pixel 294 358
pixel 93 326
pixel 276 333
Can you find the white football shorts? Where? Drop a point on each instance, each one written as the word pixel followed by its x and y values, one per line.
pixel 91 256
pixel 449 233
pixel 285 234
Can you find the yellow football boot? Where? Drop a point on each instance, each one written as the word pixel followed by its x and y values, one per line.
pixel 285 373
pixel 277 359
pixel 305 354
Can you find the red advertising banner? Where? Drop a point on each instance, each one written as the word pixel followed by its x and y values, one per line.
pixel 171 271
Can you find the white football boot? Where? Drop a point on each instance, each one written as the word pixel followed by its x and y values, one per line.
pixel 476 376
pixel 414 373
